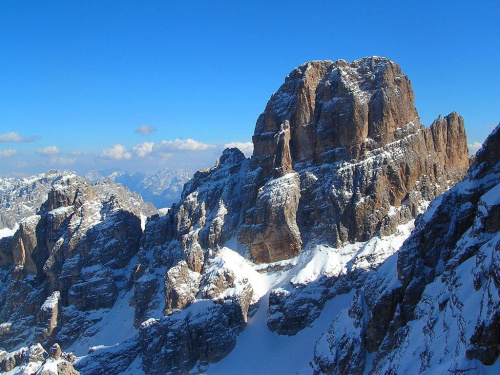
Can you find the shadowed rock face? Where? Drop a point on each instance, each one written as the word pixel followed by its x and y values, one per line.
pixel 69 258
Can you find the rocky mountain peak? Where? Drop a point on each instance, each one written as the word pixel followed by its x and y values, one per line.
pixel 363 161
pixel 308 239
pixel 333 111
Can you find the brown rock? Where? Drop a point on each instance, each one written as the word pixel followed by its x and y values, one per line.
pixel 55 351
pixel 271 230
pixel 352 134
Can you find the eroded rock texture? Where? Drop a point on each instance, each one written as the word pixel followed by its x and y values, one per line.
pixel 436 307
pixel 352 134
pixel 69 259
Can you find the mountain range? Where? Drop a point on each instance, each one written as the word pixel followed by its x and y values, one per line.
pixel 355 240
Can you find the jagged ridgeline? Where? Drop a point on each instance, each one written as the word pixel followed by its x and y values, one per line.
pixel 289 262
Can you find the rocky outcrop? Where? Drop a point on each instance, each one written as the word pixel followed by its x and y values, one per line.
pixel 340 162
pixel 36 360
pixel 351 133
pixel 274 233
pixel 48 316
pixel 67 259
pixel 339 156
pixel 204 333
pixel 181 287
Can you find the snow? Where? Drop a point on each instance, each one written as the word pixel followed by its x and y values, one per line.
pixel 51 301
pixel 243 269
pixel 492 197
pixel 116 326
pixel 61 210
pixel 6 232
pixel 260 351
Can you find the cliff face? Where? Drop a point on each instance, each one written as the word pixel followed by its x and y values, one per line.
pixel 363 162
pixel 436 308
pixel 339 155
pixel 68 259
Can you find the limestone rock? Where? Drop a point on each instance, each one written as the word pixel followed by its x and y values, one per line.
pixel 55 351
pixel 47 317
pixel 37 353
pixel 13 359
pixel 271 232
pixel 72 254
pixel 204 335
pixel 350 131
pixel 181 287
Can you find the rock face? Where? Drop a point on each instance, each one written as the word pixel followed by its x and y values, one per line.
pixel 36 360
pixel 341 170
pixel 69 258
pixel 415 317
pixel 339 156
pixel 206 335
pixel 352 134
pixel 181 287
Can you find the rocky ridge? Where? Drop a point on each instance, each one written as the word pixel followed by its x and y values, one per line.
pixel 438 309
pixel 68 259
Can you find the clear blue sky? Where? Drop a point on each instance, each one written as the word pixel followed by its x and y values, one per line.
pixel 78 78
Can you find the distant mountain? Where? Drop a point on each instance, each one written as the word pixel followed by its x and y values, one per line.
pixel 24 197
pixel 162 188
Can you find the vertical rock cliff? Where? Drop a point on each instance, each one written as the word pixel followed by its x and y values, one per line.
pixel 339 155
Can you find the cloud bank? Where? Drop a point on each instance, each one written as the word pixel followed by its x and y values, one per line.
pixel 7 153
pixel 117 152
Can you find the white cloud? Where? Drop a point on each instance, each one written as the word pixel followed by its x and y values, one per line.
pixel 245 147
pixel 62 161
pixel 16 137
pixel 185 145
pixel 7 153
pixel 117 152
pixel 48 151
pixel 146 129
pixel 474 147
pixel 79 153
pixel 144 149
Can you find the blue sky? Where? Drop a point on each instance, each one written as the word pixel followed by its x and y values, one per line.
pixel 79 79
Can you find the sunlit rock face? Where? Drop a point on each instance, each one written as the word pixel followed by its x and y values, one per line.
pixel 362 162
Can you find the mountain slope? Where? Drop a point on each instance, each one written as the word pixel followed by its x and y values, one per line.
pixel 297 260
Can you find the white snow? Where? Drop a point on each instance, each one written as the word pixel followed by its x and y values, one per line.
pixel 51 301
pixel 260 351
pixel 7 232
pixel 116 326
